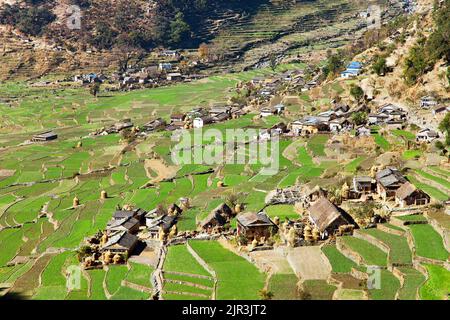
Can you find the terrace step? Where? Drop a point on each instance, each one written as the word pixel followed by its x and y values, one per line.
pixel 189 284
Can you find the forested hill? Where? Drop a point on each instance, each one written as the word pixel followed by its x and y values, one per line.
pixel 133 23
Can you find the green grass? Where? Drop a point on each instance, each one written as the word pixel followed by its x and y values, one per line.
pixel 318 289
pixel 125 293
pixel 284 286
pixel 413 218
pixel 140 274
pixel 382 142
pixel 403 133
pixel 399 249
pixel 437 287
pixel 114 277
pixel 354 164
pixel 439 180
pixel 282 211
pixel 412 154
pixel 389 285
pixel 339 262
pixel 317 145
pixel 180 259
pixel 97 277
pixel 370 254
pixel 413 280
pixel 428 242
pixel 231 270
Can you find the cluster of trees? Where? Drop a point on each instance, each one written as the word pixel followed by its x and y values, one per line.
pixel 32 19
pixel 424 55
pixel 117 23
pixel 444 126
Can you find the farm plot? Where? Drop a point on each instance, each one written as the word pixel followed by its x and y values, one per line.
pixel 413 280
pixel 284 287
pixel 399 250
pixel 432 191
pixel 370 254
pixel 339 262
pixel 428 242
pixel 237 278
pixel 184 276
pixel 388 287
pixel 437 286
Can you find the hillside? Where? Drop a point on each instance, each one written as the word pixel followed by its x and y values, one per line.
pixel 240 35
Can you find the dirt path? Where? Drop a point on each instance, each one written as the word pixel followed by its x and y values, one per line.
pixel 309 263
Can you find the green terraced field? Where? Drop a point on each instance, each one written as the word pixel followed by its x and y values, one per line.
pixel 370 254
pixel 230 269
pixel 437 286
pixel 339 262
pixel 428 242
pixel 399 249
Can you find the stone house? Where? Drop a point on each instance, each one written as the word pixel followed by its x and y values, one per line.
pixel 409 195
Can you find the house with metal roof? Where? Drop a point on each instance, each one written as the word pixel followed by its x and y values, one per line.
pixel 388 182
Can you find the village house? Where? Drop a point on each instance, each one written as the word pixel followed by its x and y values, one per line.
pixel 377 118
pixel 426 135
pixel 174 76
pixel 138 213
pixel 394 124
pixel 162 223
pixel 200 122
pixel 221 117
pixel 255 226
pixel 122 125
pixel 388 182
pixel 363 185
pixel 279 108
pixel 327 116
pixel 409 195
pixel 128 224
pixel 217 218
pixel 338 125
pixel 313 194
pixel 440 111
pixel 197 113
pixel 216 110
pixel 353 70
pixel 362 131
pixel 266 112
pixel 308 125
pixel 154 125
pixel 341 109
pixel 427 102
pixel 165 66
pixel 170 54
pixel 121 243
pixel 45 136
pixel 327 217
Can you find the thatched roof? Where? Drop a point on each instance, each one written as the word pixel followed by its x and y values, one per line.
pixel 220 215
pixel 406 190
pixel 251 219
pixel 323 213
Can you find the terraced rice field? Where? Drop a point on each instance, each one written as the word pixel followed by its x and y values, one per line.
pixel 371 254
pixel 428 242
pixel 231 269
pixel 399 250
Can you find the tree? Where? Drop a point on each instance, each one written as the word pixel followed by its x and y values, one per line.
pixel 95 89
pixel 444 126
pixel 379 67
pixel 357 92
pixel 179 29
pixel 359 118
